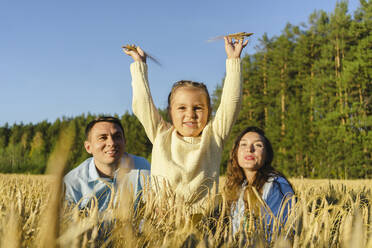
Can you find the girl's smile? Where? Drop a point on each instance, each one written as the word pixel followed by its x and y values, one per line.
pixel 191 123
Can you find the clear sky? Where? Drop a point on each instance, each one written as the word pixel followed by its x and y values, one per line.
pixel 64 58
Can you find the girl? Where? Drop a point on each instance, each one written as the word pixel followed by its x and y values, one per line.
pixel 187 152
pixel 250 166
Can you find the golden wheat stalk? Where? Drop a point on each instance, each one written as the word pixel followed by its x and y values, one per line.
pixel 49 230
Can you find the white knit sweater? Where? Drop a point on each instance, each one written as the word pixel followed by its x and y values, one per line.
pixel 190 165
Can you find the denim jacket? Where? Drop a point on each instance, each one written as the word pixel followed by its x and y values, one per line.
pixel 274 193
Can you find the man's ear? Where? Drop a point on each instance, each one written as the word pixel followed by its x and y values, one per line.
pixel 87 147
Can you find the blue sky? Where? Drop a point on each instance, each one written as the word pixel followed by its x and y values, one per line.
pixel 64 58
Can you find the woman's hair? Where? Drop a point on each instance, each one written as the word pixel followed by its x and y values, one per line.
pixel 235 175
pixel 190 84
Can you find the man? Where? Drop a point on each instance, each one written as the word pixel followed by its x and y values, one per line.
pixel 109 167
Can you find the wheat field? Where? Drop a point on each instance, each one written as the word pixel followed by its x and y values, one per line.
pixel 328 213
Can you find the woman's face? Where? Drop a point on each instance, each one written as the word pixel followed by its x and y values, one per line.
pixel 251 152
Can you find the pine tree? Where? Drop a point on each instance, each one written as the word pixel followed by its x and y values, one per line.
pixel 37 153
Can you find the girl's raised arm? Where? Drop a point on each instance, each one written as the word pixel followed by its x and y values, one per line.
pixel 232 89
pixel 142 104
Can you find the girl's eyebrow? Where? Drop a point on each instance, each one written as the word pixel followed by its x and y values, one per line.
pixel 197 104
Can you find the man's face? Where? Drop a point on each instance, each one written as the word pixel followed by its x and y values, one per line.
pixel 106 143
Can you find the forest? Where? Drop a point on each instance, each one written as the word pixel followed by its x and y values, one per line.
pixel 309 89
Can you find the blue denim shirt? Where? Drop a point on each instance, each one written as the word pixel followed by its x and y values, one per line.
pixel 275 192
pixel 83 184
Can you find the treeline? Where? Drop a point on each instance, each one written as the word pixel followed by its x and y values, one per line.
pixel 309 89
pixel 26 148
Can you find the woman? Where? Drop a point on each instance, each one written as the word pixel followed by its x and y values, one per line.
pixel 253 185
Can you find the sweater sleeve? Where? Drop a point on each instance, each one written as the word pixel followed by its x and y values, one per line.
pixel 142 104
pixel 230 100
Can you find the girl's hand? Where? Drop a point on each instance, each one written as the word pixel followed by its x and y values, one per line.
pixel 137 55
pixel 234 48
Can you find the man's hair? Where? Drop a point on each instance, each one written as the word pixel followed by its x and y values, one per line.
pixel 103 119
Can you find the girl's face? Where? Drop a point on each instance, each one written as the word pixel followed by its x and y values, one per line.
pixel 189 111
pixel 251 152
